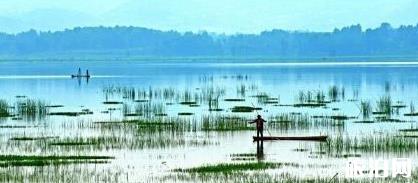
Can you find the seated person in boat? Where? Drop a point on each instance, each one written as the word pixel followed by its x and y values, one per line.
pixel 259 123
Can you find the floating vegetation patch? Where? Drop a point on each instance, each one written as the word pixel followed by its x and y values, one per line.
pixel 72 114
pixel 398 106
pixel 112 102
pixel 231 167
pixel 54 106
pixel 347 156
pixel 300 150
pixel 243 159
pixel 216 110
pixel 245 109
pixel 243 155
pixel 25 138
pixel 364 121
pixel 336 117
pixel 388 119
pixel 411 114
pixel 17 126
pixel 161 114
pixel 310 105
pixel 188 103
pixel 185 113
pixel 234 100
pixel 409 130
pixel 260 95
pixel 28 160
pixel 132 114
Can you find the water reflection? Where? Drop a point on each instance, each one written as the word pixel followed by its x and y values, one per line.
pixel 79 80
pixel 260 150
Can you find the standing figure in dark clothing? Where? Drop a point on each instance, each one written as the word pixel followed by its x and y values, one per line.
pixel 260 124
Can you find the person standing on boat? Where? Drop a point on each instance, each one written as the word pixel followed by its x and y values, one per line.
pixel 259 124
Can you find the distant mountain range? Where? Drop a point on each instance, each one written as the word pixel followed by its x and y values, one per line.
pixel 129 41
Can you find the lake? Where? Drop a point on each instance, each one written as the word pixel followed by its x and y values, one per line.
pixel 160 121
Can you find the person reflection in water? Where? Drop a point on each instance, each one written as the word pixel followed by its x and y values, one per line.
pixel 260 150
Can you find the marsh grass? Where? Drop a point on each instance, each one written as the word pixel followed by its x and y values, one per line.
pixel 234 100
pixel 145 141
pixel 112 102
pixel 31 109
pixel 225 123
pixel 185 113
pixel 266 177
pixel 28 160
pixel 228 168
pixel 382 143
pixel 365 109
pixel 245 109
pixel 311 97
pixel 333 93
pixel 4 109
pixel 27 138
pixel 290 121
pixel 73 114
pixel 384 106
pixel 147 109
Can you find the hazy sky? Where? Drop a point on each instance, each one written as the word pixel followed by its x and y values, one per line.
pixel 229 16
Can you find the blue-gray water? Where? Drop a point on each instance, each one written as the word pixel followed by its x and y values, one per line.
pixel 50 81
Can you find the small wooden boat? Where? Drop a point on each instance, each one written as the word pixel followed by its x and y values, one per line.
pixel 80 76
pixel 306 138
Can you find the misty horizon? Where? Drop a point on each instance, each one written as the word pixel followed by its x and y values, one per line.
pixel 229 17
pixel 128 41
pixel 209 32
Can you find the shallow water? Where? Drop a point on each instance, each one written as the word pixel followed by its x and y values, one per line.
pixel 50 81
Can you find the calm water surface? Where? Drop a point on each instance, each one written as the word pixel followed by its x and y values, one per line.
pixel 51 82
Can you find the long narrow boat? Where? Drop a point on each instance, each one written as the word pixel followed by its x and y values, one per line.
pixel 306 138
pixel 80 76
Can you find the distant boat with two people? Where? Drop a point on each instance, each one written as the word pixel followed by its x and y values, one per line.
pixel 80 75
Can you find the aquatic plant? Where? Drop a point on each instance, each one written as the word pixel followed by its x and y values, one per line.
pixel 226 168
pixel 245 109
pixel 365 109
pixel 310 99
pixel 384 105
pixel 225 123
pixel 32 109
pixel 4 109
pixel 32 160
pixel 372 143
pixel 333 93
